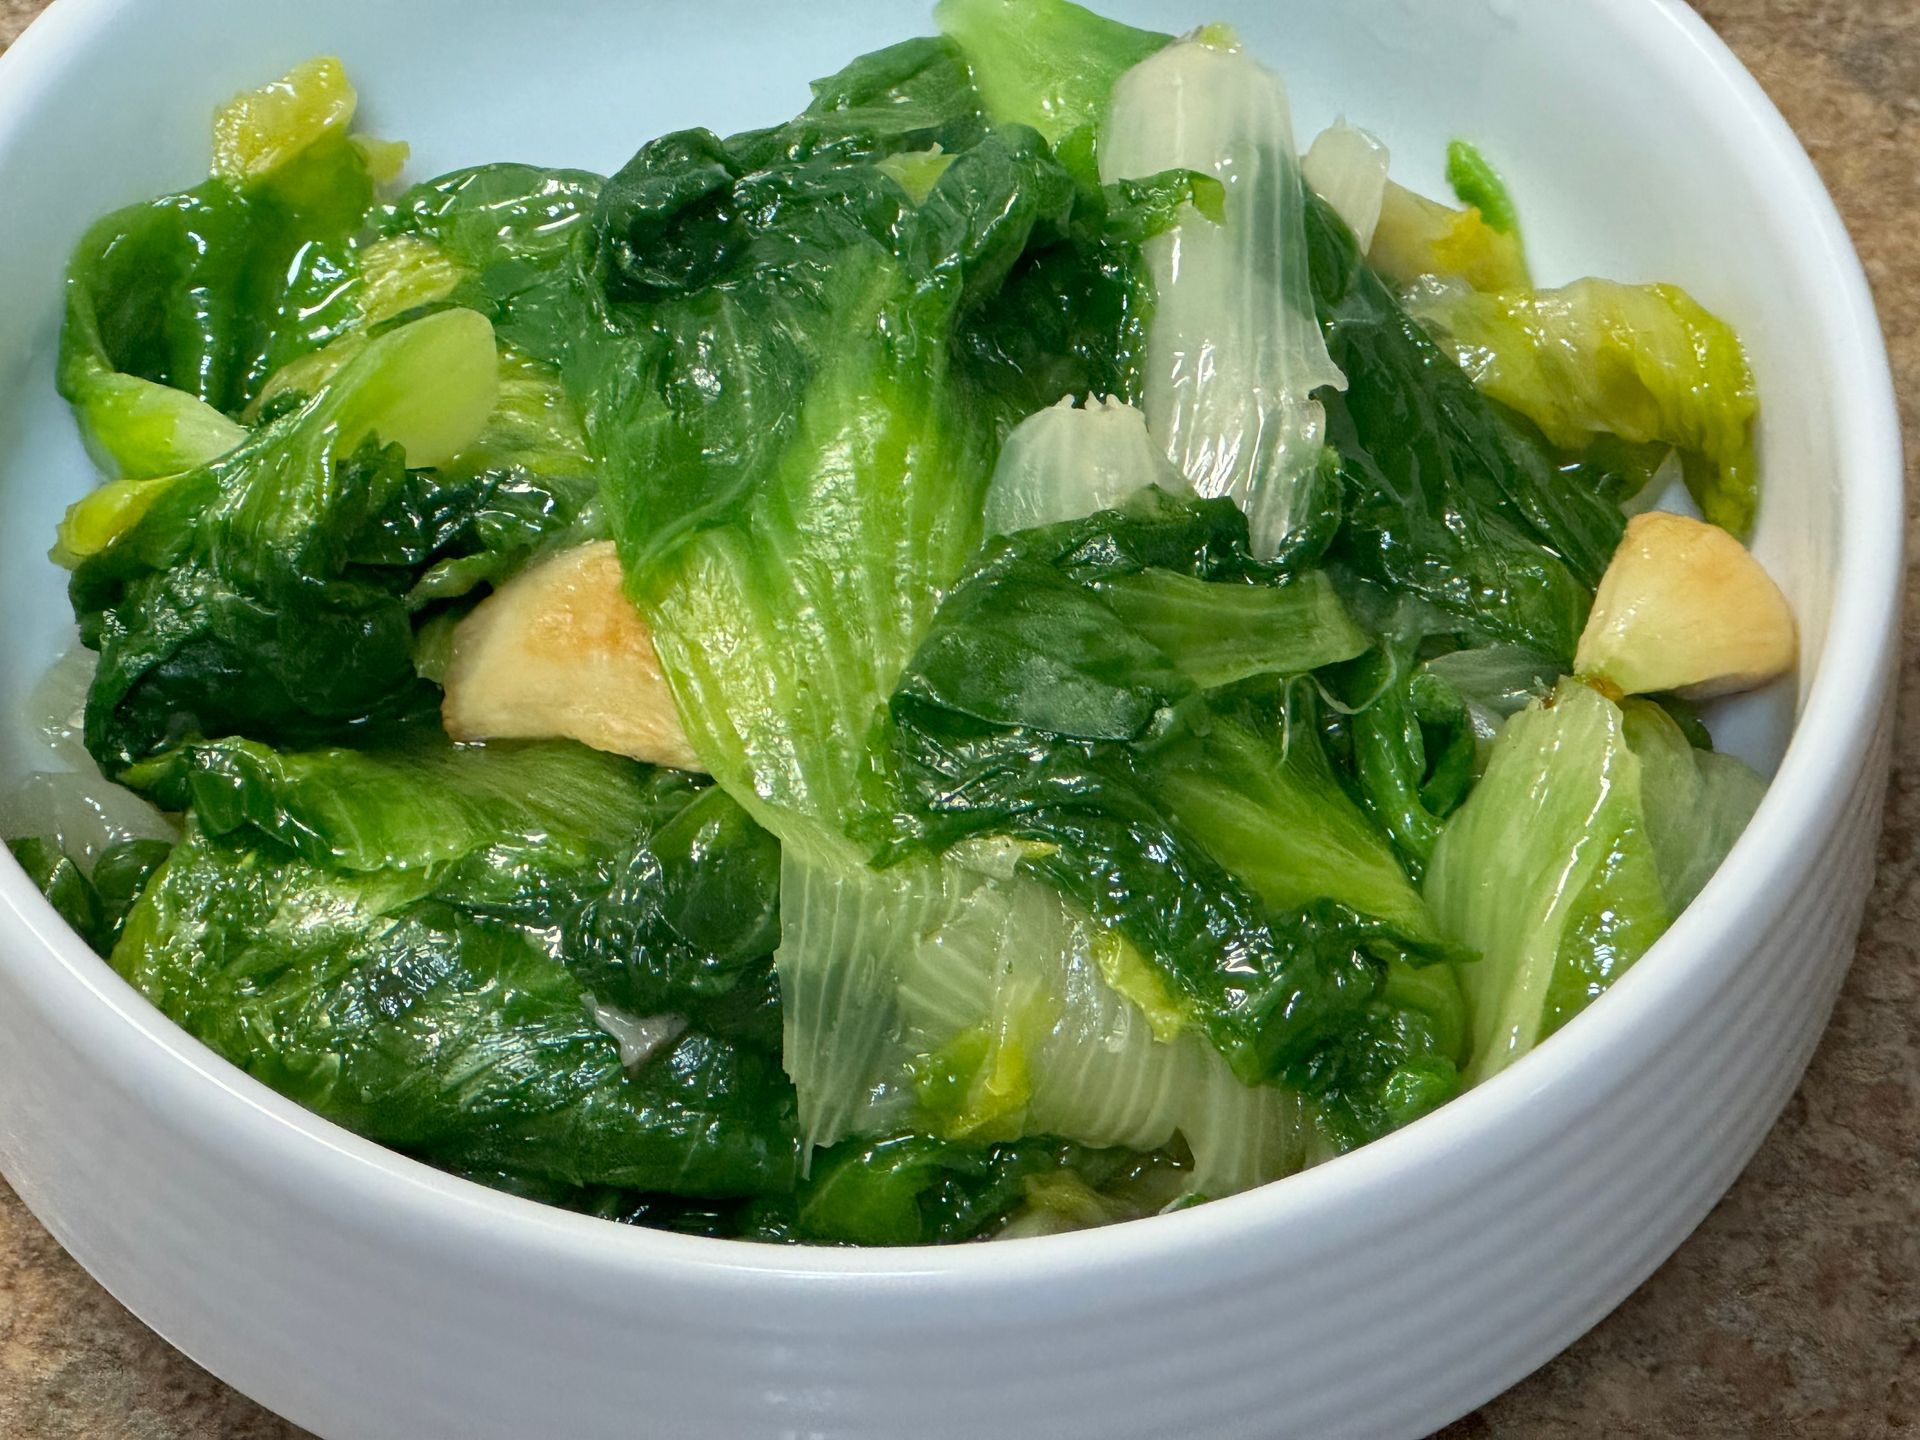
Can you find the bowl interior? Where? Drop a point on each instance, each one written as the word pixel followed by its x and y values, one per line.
pixel 1603 189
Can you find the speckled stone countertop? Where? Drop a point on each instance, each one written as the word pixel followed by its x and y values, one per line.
pixel 1793 1311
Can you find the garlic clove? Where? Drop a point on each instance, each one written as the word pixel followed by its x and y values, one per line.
pixel 560 651
pixel 1684 607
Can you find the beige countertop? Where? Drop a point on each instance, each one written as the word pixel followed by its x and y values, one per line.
pixel 1793 1311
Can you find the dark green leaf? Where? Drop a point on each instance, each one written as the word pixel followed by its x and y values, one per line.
pixel 66 889
pixel 1212 834
pixel 387 938
pixel 1445 501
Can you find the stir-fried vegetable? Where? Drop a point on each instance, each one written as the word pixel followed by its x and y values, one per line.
pixel 1002 655
pixel 1234 352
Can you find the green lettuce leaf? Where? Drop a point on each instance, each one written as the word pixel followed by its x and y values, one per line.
pixel 797 465
pixel 1644 363
pixel 70 893
pixel 971 1004
pixel 1592 828
pixel 1211 833
pixel 1049 64
pixel 210 291
pixel 1697 802
pixel 790 477
pixel 1445 501
pixel 254 594
pixel 413 944
pixel 916 1190
pixel 1072 317
pixel 1222 634
pixel 95 904
pixel 501 239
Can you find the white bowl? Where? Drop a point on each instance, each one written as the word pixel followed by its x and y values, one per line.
pixel 361 1294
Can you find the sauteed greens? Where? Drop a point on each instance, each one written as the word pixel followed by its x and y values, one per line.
pixel 999 656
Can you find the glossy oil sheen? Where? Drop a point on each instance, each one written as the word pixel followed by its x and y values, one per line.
pixel 1378 1296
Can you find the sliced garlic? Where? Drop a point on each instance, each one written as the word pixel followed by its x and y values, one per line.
pixel 559 651
pixel 1684 607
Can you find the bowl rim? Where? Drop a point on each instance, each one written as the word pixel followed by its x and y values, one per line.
pixel 1530 1100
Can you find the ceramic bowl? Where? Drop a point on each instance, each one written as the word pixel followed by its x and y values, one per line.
pixel 1381 1295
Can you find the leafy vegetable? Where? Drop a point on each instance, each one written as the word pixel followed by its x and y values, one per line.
pixel 781 677
pixel 1642 362
pixel 386 938
pixel 1477 184
pixel 1493 682
pixel 1697 802
pixel 135 429
pixel 786 466
pixel 120 876
pixel 1071 318
pixel 95 905
pixel 503 240
pixel 1445 501
pixel 255 595
pixel 1417 237
pixel 1234 352
pixel 912 96
pixel 1065 461
pixel 792 479
pixel 1045 63
pixel 1212 835
pixel 1587 835
pixel 67 890
pixel 1222 634
pixel 972 1005
pixel 914 1190
pixel 210 291
pixel 1347 167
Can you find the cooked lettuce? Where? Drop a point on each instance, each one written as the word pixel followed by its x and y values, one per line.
pixel 1347 167
pixel 1222 634
pixel 1698 802
pixel 70 893
pixel 1118 577
pixel 786 467
pixel 1049 64
pixel 256 594
pixel 1206 828
pixel 96 902
pixel 1071 319
pixel 1592 828
pixel 1643 363
pixel 1415 237
pixel 789 540
pixel 969 1003
pixel 1234 351
pixel 1068 461
pixel 210 291
pixel 500 239
pixel 917 1190
pixel 409 942
pixel 1446 501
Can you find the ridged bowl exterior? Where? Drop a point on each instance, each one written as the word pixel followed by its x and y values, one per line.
pixel 1378 1296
